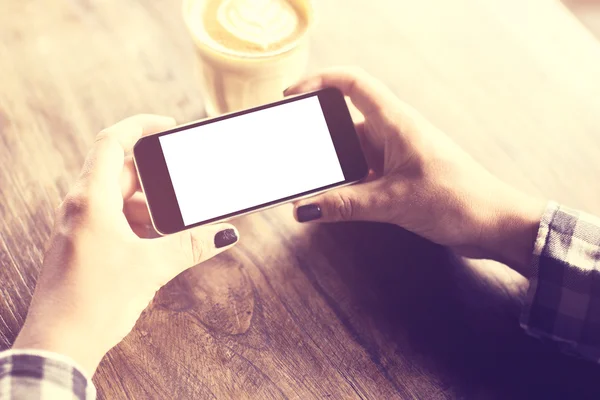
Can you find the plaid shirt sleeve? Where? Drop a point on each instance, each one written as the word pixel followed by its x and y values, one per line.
pixel 563 300
pixel 40 375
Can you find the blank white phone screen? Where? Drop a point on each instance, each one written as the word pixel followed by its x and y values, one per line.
pixel 249 160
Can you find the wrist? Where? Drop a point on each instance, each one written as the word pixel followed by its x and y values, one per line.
pixel 510 235
pixel 59 339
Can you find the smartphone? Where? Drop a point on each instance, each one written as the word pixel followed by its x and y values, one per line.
pixel 217 169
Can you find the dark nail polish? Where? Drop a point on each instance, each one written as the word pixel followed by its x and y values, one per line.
pixel 309 212
pixel 225 238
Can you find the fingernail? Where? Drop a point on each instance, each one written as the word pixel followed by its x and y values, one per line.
pixel 285 90
pixel 309 212
pixel 225 238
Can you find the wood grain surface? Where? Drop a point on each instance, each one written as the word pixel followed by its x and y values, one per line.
pixel 341 311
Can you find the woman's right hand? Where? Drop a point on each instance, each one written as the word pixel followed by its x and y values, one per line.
pixel 422 181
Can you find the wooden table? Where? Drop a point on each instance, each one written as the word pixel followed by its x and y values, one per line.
pixel 338 311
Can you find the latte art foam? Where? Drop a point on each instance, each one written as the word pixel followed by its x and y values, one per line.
pixel 253 26
pixel 261 22
pixel 249 51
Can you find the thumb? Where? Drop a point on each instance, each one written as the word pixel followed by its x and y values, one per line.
pixel 352 203
pixel 191 247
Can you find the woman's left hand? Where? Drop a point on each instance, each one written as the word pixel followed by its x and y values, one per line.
pixel 100 270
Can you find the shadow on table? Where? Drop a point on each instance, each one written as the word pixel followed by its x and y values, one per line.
pixel 439 314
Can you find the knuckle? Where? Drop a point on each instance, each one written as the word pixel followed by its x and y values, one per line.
pixel 75 204
pixel 102 135
pixel 72 213
pixel 344 206
pixel 106 138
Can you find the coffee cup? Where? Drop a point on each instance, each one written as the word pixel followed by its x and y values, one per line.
pixel 249 51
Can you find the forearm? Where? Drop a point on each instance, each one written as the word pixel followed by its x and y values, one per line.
pixel 50 326
pixel 69 344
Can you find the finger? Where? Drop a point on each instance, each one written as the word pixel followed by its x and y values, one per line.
pixel 129 130
pixel 142 231
pixel 371 176
pixel 188 248
pixel 136 210
pixel 373 155
pixel 129 180
pixel 99 179
pixel 104 164
pixel 361 202
pixel 367 93
pixel 356 115
pixel 128 136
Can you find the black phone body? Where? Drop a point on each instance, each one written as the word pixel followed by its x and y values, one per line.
pixel 216 169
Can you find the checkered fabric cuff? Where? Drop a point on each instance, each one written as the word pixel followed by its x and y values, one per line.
pixel 563 300
pixel 41 375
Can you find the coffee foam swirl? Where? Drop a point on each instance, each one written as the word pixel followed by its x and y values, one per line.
pixel 262 22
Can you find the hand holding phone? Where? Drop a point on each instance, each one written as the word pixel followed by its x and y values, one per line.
pixel 247 161
pixel 422 181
